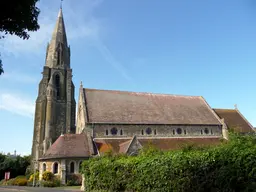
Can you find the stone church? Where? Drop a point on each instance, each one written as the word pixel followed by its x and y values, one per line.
pixel 114 121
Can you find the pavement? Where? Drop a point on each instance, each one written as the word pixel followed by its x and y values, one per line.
pixel 35 189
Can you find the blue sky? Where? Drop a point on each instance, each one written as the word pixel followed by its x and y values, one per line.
pixel 186 47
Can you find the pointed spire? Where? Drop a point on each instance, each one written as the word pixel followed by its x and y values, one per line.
pixel 58 50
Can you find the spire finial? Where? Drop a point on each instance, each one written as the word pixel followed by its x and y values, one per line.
pixel 61 4
pixel 235 106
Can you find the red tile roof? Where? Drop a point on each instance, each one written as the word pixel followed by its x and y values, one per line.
pixel 69 145
pixel 117 145
pixel 113 145
pixel 106 106
pixel 235 120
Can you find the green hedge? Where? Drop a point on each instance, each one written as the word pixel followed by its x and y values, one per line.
pixel 230 166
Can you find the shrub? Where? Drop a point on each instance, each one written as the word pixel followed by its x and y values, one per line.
pixel 47 176
pixel 31 178
pixel 54 183
pixel 10 181
pixel 20 181
pixel 2 182
pixel 225 168
pixel 74 180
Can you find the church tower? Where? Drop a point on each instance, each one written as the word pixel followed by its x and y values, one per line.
pixel 55 104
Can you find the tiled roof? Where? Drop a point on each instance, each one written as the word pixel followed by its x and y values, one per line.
pixel 69 145
pixel 117 145
pixel 235 120
pixel 113 145
pixel 105 106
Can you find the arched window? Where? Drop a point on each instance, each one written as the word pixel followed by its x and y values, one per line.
pixel 206 131
pixel 142 132
pixel 155 131
pixel 106 132
pixel 185 131
pixel 72 167
pixel 55 168
pixel 148 130
pixel 179 131
pixel 173 132
pixel 121 132
pixel 113 131
pixel 57 84
pixel 201 132
pixel 44 167
pixel 211 131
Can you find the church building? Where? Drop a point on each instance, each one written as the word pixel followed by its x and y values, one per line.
pixel 114 121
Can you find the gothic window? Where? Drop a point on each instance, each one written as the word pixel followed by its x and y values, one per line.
pixel 155 131
pixel 113 131
pixel 57 84
pixel 148 131
pixel 106 132
pixel 179 131
pixel 185 131
pixel 206 131
pixel 121 132
pixel 72 167
pixel 55 168
pixel 44 167
pixel 173 132
pixel 142 132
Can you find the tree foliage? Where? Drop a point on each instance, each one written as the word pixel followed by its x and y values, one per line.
pixel 227 167
pixel 16 165
pixel 18 17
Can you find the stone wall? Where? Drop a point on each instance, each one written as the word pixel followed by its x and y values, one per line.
pixel 105 131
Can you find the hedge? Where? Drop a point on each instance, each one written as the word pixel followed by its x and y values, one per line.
pixel 231 166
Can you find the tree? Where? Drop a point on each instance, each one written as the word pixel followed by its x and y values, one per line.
pixel 17 17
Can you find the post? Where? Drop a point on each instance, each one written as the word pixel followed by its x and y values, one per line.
pixel 34 178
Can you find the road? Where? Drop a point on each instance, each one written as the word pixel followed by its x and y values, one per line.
pixel 33 189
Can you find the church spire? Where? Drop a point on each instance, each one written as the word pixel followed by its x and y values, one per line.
pixel 58 52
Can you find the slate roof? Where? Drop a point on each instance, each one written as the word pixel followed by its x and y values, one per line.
pixel 120 145
pixel 235 120
pixel 107 106
pixel 69 145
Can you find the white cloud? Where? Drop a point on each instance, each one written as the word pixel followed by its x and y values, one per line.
pixel 17 104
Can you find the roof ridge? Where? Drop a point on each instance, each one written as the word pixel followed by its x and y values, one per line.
pixel 211 109
pixel 244 118
pixel 138 92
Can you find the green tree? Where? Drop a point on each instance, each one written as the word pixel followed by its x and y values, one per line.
pixel 18 17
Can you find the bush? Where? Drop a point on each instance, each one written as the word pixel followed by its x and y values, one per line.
pixel 31 177
pixel 54 183
pixel 20 181
pixel 74 180
pixel 47 176
pixel 225 168
pixel 2 182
